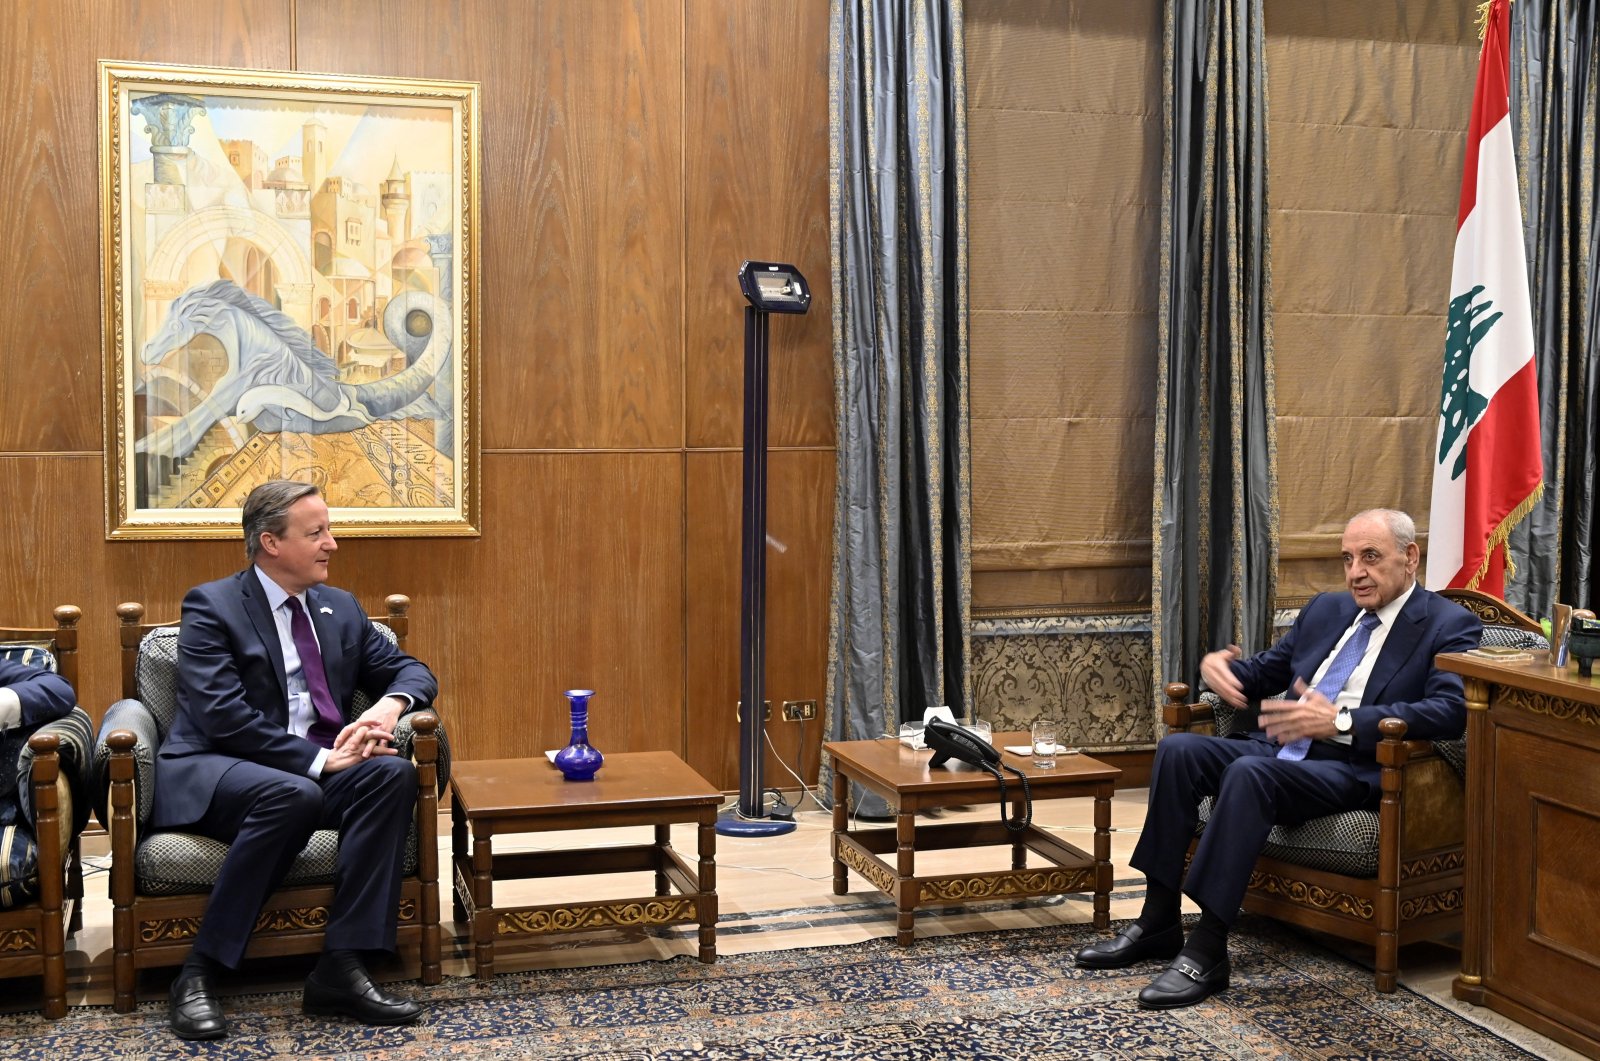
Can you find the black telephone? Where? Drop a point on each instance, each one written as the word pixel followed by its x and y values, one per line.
pixel 954 742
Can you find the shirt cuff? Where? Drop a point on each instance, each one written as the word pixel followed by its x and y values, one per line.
pixel 10 709
pixel 410 701
pixel 315 773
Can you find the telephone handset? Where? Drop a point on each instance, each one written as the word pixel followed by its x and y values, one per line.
pixel 954 742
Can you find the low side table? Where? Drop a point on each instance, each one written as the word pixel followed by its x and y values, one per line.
pixel 901 775
pixel 494 796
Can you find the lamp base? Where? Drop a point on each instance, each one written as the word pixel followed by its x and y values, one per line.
pixel 732 823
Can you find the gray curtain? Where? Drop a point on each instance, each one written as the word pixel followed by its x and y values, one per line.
pixel 1215 527
pixel 899 637
pixel 1554 82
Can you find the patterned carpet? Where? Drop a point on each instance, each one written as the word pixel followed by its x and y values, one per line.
pixel 1010 994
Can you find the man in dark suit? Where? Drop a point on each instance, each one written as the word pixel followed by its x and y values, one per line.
pixel 259 756
pixel 30 698
pixel 1349 661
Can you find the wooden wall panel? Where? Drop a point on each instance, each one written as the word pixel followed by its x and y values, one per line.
pixel 580 585
pixel 582 215
pixel 756 187
pixel 596 562
pixel 799 573
pixel 49 262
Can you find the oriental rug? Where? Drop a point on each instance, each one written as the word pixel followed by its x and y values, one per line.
pixel 1012 994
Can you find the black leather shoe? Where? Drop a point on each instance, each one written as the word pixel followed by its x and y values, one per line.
pixel 193 1010
pixel 1132 945
pixel 1183 983
pixel 345 989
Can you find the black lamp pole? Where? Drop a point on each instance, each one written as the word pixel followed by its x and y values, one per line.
pixel 770 288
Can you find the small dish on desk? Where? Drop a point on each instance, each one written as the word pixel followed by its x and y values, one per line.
pixel 1025 749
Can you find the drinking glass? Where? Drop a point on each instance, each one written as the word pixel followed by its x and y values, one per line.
pixel 1044 743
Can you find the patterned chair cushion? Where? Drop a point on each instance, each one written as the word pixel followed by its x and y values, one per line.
pixel 19 867
pixel 174 863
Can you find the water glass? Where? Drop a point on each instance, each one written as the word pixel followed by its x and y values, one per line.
pixel 980 729
pixel 1044 743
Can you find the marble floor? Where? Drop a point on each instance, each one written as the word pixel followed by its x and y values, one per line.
pixel 774 893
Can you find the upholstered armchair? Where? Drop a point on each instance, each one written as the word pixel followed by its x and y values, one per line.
pixel 44 805
pixel 1384 877
pixel 161 881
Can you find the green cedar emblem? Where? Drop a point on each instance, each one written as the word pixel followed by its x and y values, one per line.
pixel 1460 405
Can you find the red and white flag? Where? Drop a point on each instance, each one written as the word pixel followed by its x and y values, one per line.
pixel 1487 471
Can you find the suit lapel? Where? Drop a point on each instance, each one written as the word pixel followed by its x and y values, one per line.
pixel 255 606
pixel 1398 647
pixel 328 638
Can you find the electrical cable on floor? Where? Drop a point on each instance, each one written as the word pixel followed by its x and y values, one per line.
pixel 805 789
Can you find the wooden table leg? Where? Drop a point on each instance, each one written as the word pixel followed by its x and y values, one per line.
pixel 482 900
pixel 663 843
pixel 841 823
pixel 905 828
pixel 708 891
pixel 1102 857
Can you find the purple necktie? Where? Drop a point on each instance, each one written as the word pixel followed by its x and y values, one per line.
pixel 1344 664
pixel 329 722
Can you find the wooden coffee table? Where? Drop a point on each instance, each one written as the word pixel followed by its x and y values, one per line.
pixel 495 796
pixel 901 775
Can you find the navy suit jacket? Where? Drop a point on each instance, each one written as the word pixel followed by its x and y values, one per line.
pixel 233 701
pixel 1403 683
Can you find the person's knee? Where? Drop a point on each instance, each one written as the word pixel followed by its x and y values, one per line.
pixel 1177 748
pixel 393 772
pixel 1252 776
pixel 291 799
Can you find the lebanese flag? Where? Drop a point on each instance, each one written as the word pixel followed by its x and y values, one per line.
pixel 1487 472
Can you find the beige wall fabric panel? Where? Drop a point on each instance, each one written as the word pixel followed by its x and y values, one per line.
pixel 1369 105
pixel 1064 139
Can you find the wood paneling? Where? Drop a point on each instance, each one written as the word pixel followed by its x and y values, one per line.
pixel 581 337
pixel 799 574
pixel 616 570
pixel 49 261
pixel 756 187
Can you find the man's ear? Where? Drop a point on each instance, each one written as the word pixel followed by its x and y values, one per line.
pixel 1413 557
pixel 268 543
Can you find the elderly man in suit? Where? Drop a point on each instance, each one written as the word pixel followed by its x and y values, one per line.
pixel 1350 660
pixel 260 756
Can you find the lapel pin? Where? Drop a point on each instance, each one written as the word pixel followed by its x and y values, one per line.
pixel 325 610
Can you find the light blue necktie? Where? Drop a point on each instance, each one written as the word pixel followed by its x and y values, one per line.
pixel 1344 664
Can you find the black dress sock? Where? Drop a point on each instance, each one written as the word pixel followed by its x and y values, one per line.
pixel 1161 905
pixel 197 964
pixel 1208 942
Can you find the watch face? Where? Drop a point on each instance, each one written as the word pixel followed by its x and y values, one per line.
pixel 1342 720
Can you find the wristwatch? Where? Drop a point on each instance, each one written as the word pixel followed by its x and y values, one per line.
pixel 1342 721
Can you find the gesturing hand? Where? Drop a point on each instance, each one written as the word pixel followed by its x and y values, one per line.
pixel 1312 715
pixel 1219 677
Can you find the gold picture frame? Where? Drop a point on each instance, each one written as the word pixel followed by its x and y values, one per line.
pixel 289 291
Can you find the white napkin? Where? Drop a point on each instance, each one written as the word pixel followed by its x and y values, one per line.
pixel 1027 749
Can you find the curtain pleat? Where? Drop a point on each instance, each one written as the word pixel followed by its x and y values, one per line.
pixel 899 637
pixel 1215 524
pixel 1554 83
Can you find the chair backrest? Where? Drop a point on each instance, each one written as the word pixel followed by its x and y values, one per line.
pixel 53 648
pixel 150 657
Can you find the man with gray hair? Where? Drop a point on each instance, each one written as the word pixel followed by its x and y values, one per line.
pixel 260 756
pixel 1350 660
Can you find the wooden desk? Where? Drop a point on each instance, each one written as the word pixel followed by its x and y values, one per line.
pixel 529 795
pixel 901 775
pixel 1531 939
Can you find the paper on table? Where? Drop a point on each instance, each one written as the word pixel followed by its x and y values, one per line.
pixel 1027 749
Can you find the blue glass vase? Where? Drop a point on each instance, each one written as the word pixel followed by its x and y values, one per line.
pixel 579 760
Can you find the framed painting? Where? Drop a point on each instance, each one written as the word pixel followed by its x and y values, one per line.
pixel 290 292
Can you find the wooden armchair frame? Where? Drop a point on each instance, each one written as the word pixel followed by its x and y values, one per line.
pixel 156 930
pixel 33 935
pixel 1417 893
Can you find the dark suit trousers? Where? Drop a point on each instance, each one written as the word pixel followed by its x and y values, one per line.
pixel 266 816
pixel 1254 791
